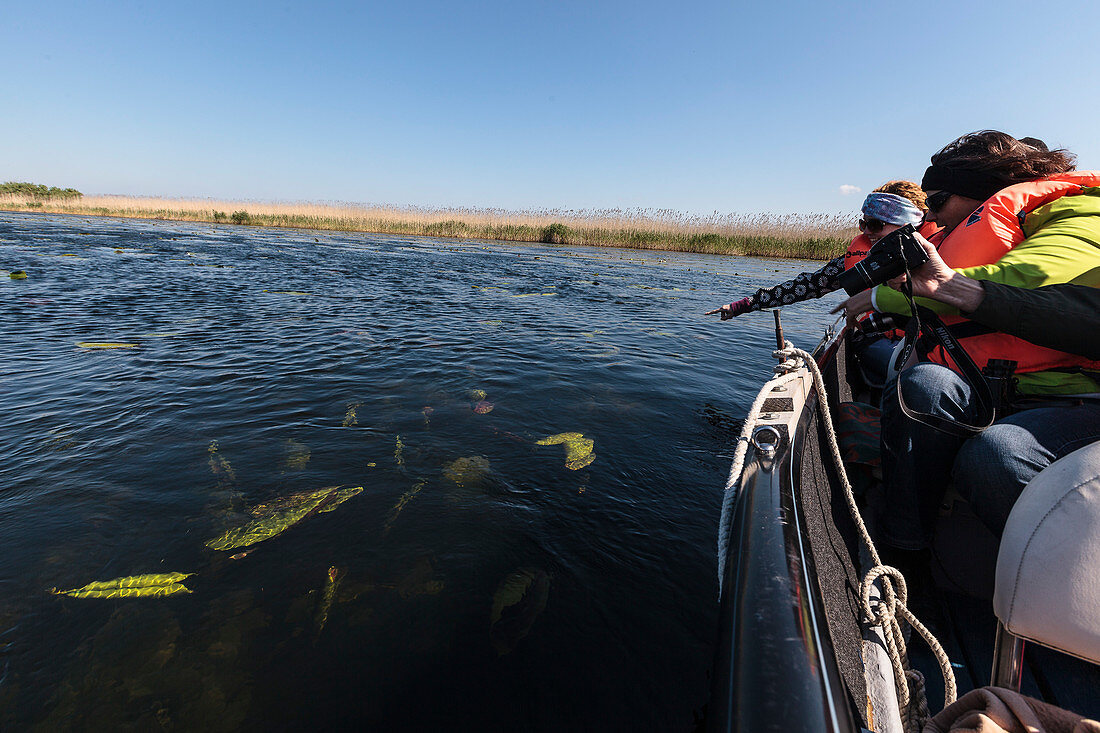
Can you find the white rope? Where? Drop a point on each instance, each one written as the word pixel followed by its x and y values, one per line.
pixel 883 612
pixel 732 483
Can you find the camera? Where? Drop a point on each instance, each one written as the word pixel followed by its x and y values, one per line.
pixel 887 259
pixel 874 322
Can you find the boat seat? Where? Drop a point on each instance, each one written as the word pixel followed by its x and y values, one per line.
pixel 1048 567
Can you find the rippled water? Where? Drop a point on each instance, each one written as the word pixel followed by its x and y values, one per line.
pixel 274 362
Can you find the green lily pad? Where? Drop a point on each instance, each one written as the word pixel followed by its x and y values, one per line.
pixel 578 449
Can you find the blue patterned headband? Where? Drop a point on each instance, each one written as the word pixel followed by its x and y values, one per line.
pixel 892 209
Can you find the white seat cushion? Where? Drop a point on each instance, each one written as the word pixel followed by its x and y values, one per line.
pixel 1048 566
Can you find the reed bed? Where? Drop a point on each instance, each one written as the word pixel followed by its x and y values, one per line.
pixel 809 236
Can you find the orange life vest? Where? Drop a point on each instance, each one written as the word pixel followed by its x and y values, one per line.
pixel 857 250
pixel 859 246
pixel 992 230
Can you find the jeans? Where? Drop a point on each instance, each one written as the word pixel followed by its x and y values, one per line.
pixel 873 355
pixel 990 470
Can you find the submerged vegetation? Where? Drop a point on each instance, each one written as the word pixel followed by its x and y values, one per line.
pixel 811 236
pixel 134 586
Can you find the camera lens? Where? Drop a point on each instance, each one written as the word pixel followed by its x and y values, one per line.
pixel 885 260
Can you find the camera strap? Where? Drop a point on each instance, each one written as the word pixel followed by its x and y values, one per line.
pixel 926 322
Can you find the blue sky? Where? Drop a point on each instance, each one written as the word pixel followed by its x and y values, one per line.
pixel 693 106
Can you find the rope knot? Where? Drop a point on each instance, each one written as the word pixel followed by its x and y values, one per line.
pixel 788 351
pixel 894 595
pixel 792 358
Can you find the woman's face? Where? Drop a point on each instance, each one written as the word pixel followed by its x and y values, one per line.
pixel 952 212
pixel 882 232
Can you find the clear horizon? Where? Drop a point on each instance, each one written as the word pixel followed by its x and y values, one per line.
pixel 783 108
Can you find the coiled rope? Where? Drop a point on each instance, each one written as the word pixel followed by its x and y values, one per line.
pixel 887 612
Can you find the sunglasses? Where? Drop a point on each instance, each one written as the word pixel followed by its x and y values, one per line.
pixel 937 200
pixel 870 225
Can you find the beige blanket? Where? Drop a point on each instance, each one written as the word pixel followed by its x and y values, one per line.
pixel 997 710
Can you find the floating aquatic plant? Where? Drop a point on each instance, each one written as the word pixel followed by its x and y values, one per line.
pixel 332 582
pixel 220 466
pixel 351 417
pixel 401 502
pixel 419 581
pixel 280 515
pixel 578 449
pixel 467 471
pixel 104 345
pixel 297 455
pixel 517 602
pixel 339 498
pixel 134 586
pixel 62 439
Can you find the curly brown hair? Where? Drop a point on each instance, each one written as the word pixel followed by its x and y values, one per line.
pixel 908 189
pixel 1003 156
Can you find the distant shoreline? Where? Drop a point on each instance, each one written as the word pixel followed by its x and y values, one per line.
pixel 813 237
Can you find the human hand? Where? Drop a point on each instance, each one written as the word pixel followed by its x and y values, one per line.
pixel 936 281
pixel 929 277
pixel 735 308
pixel 857 305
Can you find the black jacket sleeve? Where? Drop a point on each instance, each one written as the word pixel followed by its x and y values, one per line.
pixel 1063 317
pixel 804 287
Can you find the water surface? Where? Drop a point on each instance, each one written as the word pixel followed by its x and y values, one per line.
pixel 274 362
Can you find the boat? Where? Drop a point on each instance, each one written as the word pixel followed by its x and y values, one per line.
pixel 807 622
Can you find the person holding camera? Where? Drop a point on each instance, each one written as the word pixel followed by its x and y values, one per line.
pixel 1014 214
pixel 1015 310
pixel 890 206
pixel 992 469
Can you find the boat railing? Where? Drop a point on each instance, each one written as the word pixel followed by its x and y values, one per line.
pixel 767 572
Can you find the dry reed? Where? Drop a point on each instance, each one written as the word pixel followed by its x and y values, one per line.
pixel 810 236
